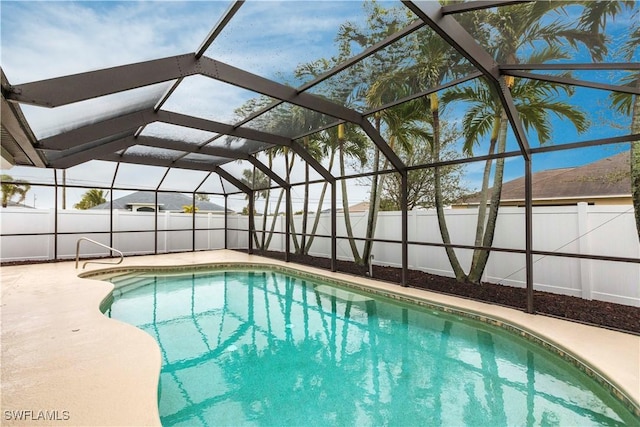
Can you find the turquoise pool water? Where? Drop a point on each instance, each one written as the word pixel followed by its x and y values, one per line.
pixel 265 349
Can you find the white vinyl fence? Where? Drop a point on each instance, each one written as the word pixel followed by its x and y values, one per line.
pixel 583 229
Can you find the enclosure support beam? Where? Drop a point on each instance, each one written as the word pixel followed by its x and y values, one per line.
pixel 78 87
pixel 334 226
pixel 377 139
pixel 155 223
pixel 217 29
pixel 65 90
pixel 194 209
pixel 287 226
pixel 127 124
pixel 405 228
pixel 573 82
pixel 226 221
pixel 264 169
pixel 113 183
pixel 251 221
pixel 478 5
pixel 157 208
pixel 307 157
pixel 193 222
pixel 528 196
pixel 55 218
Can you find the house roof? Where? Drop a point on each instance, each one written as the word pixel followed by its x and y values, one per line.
pixel 359 207
pixel 608 177
pixel 166 201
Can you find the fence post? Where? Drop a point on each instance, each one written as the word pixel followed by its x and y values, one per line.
pixel 413 252
pixel 51 253
pixel 167 223
pixel 209 218
pixel 583 248
pixel 115 226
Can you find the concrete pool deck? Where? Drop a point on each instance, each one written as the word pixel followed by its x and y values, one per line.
pixel 63 362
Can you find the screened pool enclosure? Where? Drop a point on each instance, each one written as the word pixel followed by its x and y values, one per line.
pixel 286 115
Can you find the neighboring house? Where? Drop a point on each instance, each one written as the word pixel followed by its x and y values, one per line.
pixel 12 204
pixel 357 208
pixel 144 201
pixel 605 182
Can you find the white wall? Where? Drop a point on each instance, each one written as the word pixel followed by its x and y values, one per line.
pixel 597 230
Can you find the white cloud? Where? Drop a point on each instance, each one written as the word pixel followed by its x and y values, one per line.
pixel 47 39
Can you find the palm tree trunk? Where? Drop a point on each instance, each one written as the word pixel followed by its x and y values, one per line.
pixel 316 220
pixel 274 219
pixel 374 202
pixel 345 206
pixel 291 221
pixel 442 221
pixel 480 262
pixel 484 192
pixel 275 215
pixel 374 206
pixel 253 185
pixel 266 205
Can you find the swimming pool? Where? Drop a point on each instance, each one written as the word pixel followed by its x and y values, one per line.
pixel 262 348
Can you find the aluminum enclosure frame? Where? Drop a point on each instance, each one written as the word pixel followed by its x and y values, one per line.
pixel 106 139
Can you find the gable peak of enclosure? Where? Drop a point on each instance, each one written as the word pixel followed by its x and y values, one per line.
pixel 229 90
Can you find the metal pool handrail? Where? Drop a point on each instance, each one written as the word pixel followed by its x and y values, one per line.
pixel 99 244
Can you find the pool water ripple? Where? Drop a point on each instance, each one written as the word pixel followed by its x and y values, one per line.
pixel 264 348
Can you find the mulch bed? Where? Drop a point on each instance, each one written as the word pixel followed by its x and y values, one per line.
pixel 601 313
pixel 610 315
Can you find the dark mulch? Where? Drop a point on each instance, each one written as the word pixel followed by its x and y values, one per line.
pixel 609 315
pixel 606 314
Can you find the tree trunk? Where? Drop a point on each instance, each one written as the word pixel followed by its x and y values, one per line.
pixel 442 221
pixel 480 260
pixel 273 220
pixel 484 192
pixel 345 206
pixel 374 200
pixel 266 206
pixel 277 210
pixel 316 220
pixel 264 219
pixel 374 203
pixel 253 185
pixel 291 221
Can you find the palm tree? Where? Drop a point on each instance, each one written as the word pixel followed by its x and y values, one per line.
pixel 11 188
pixel 189 209
pixel 514 28
pixel 436 61
pixel 535 102
pixel 91 198
pixel 628 104
pixel 379 82
pixel 307 120
pixel 350 141
pixel 404 124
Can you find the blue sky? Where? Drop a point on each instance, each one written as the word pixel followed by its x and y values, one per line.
pixel 47 39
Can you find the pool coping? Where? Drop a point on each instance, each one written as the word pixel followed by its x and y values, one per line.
pixel 611 357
